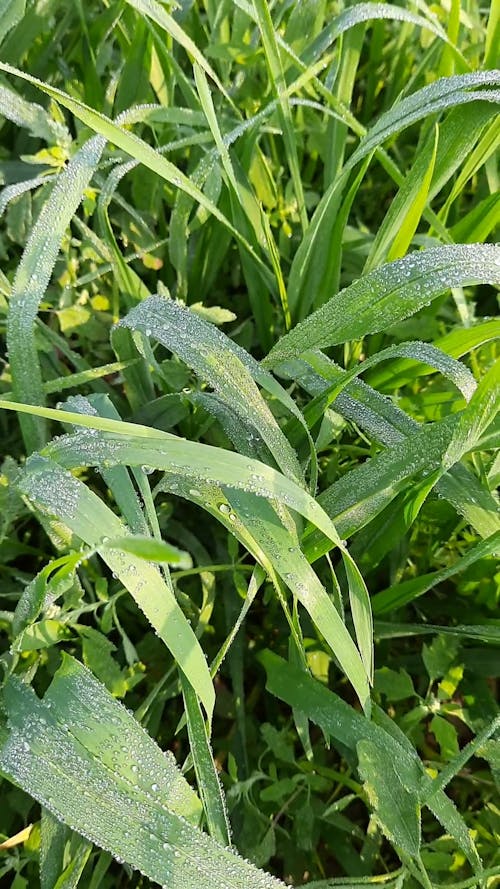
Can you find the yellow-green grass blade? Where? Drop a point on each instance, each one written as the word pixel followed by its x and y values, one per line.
pixel 309 267
pixel 275 67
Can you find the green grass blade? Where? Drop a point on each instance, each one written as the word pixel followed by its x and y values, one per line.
pixel 348 728
pixel 401 221
pixel 402 593
pixel 11 13
pixel 56 492
pixel 117 478
pixel 154 11
pixel 311 261
pixel 209 352
pixel 476 417
pixel 209 786
pixel 390 294
pixel 32 278
pixel 458 342
pixel 365 12
pixel 283 551
pixel 112 783
pixel 274 64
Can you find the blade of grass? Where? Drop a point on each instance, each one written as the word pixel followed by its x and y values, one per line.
pixel 389 294
pixel 87 781
pixel 32 279
pixel 274 64
pixel 209 786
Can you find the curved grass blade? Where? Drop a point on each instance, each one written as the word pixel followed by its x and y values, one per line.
pixel 266 529
pixel 32 278
pixel 205 348
pixel 56 492
pixel 476 417
pixel 117 478
pixel 110 782
pixel 458 373
pixel 212 356
pixel 382 420
pixel 365 12
pixel 458 342
pixel 209 786
pixel 389 294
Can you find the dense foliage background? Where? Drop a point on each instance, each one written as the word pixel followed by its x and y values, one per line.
pixel 254 159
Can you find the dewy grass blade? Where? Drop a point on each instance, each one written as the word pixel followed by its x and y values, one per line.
pixel 32 278
pixel 64 754
pixel 57 493
pixel 476 417
pixel 365 12
pixel 383 421
pixel 137 148
pixel 117 478
pixel 389 294
pixel 458 373
pixel 213 357
pixel 209 785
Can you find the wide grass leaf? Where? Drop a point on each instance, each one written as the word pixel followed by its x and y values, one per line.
pixel 110 782
pixel 388 295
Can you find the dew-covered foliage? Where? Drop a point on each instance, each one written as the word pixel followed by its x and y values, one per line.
pixel 249 520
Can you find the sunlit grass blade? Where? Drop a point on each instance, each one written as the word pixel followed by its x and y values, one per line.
pixel 476 417
pixel 156 13
pixel 57 493
pixel 389 294
pixel 395 234
pixel 311 261
pixel 276 72
pixel 32 278
pixel 366 12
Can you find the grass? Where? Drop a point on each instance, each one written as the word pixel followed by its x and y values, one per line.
pixel 249 411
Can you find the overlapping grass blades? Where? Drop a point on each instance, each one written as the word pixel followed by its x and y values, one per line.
pixel 95 757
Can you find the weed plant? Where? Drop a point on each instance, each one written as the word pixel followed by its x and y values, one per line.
pixel 250 444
